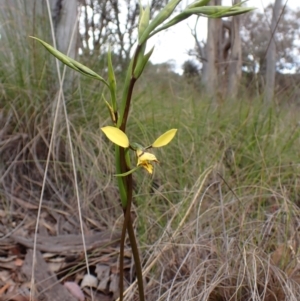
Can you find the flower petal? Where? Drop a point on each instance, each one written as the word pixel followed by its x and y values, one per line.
pixel 165 138
pixel 116 136
pixel 145 157
pixel 148 167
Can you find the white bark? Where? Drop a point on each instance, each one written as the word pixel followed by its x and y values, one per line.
pixel 209 76
pixel 271 55
pixel 235 58
pixel 19 19
pixel 64 15
pixel 210 64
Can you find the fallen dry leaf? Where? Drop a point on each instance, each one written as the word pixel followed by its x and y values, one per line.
pixel 4 276
pixel 19 298
pixel 75 290
pixel 114 285
pixel 89 281
pixel 16 297
pixel 4 288
pixel 47 283
pixel 103 271
pixel 282 256
pixel 7 259
pixel 18 262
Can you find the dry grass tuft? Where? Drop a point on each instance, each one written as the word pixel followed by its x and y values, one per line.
pixel 224 253
pixel 23 150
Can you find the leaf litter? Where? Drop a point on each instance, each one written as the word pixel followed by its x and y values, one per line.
pixel 60 265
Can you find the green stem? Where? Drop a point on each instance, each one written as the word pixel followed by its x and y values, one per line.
pixel 136 257
pixel 128 101
pixel 135 251
pixel 127 182
pixel 133 244
pixel 120 167
pixel 128 90
pixel 126 205
pixel 122 247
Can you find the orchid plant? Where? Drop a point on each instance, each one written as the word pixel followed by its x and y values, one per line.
pixel 119 108
pixel 144 158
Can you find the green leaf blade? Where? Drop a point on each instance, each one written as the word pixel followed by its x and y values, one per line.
pixel 71 62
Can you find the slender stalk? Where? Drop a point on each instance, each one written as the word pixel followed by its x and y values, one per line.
pixel 122 247
pixel 128 101
pixel 126 204
pixel 129 189
pixel 128 90
pixel 135 251
pixel 136 256
pixel 133 244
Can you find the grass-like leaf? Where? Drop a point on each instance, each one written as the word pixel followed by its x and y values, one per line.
pixel 71 62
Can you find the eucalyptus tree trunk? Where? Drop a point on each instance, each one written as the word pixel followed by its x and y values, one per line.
pixel 64 16
pixel 235 58
pixel 211 60
pixel 21 19
pixel 30 17
pixel 210 72
pixel 271 55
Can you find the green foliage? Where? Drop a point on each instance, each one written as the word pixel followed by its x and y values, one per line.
pixel 74 64
pixel 248 145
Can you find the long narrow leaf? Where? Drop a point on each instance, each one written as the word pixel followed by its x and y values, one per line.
pixel 142 63
pixel 144 20
pixel 198 3
pixel 163 15
pixel 71 62
pixel 207 11
pixel 112 82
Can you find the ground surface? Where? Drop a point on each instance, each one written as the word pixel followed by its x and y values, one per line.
pixel 59 260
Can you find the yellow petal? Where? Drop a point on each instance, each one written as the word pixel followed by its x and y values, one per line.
pixel 148 167
pixel 165 138
pixel 145 157
pixel 116 136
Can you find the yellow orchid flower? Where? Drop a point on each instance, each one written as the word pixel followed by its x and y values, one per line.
pixel 148 166
pixel 144 159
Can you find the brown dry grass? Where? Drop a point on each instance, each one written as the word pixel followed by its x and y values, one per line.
pixel 226 253
pixel 208 243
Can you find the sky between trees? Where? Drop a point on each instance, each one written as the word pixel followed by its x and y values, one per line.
pixel 173 45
